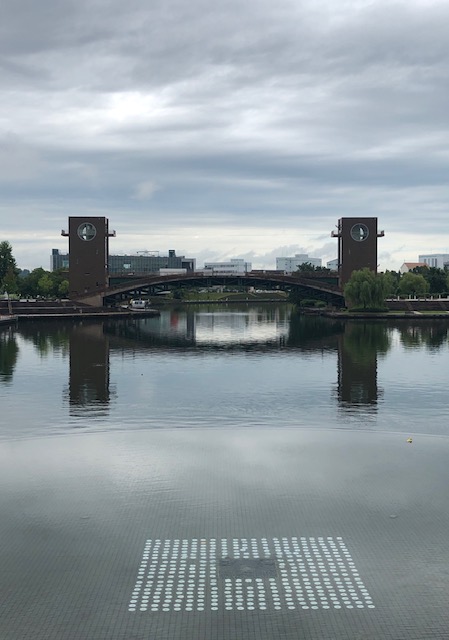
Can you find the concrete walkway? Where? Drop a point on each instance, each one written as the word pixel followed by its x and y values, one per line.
pixel 224 535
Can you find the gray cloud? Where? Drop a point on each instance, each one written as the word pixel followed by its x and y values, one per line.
pixel 247 119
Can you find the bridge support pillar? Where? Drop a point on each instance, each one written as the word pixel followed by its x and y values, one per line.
pixel 88 256
pixel 96 300
pixel 357 246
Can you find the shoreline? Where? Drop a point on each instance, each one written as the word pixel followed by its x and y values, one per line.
pixel 406 315
pixel 61 312
pixel 80 314
pixel 8 320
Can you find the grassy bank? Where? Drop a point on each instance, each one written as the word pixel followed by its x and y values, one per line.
pixel 213 296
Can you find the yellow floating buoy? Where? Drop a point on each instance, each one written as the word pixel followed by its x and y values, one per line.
pixel 409 440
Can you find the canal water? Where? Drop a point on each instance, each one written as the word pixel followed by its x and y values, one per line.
pixel 224 472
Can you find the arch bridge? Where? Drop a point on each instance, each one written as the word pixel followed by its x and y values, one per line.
pixel 310 287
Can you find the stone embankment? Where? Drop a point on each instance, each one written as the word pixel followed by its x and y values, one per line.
pixel 7 320
pixel 410 309
pixel 438 305
pixel 64 309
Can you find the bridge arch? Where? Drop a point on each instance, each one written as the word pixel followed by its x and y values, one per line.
pixel 313 288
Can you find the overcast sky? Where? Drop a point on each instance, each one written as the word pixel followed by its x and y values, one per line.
pixel 236 129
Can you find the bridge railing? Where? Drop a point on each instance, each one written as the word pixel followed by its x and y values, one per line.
pixel 285 281
pixel 259 276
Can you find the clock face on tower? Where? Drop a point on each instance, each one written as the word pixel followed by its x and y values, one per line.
pixel 87 231
pixel 359 232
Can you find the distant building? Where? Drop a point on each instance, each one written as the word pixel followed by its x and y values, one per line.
pixel 409 266
pixel 292 264
pixel 134 264
pixel 332 264
pixel 58 260
pixel 234 266
pixel 438 260
pixel 148 262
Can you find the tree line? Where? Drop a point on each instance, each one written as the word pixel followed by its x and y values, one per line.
pixel 364 289
pixel 367 290
pixel 419 281
pixel 39 282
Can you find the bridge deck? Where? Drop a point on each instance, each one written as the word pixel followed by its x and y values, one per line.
pixel 308 287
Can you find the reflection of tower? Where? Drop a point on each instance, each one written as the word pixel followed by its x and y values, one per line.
pixel 88 254
pixel 190 327
pixel 357 246
pixel 357 368
pixel 89 366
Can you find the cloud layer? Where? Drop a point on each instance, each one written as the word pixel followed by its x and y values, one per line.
pixel 239 129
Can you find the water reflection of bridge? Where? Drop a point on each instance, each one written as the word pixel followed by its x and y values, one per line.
pixel 356 348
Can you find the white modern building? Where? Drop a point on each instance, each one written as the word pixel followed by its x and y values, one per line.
pixel 291 264
pixel 438 260
pixel 332 264
pixel 234 266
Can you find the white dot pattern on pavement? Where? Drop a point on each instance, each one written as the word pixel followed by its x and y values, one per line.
pixel 311 573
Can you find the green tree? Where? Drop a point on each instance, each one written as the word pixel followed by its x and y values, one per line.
pixel 9 282
pixel 60 283
pixel 63 288
pixel 413 284
pixel 45 285
pixel 307 267
pixel 366 290
pixel 391 279
pixel 29 285
pixel 8 268
pixel 437 278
